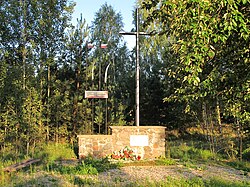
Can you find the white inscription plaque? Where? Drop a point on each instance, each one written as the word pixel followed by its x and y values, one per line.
pixel 138 140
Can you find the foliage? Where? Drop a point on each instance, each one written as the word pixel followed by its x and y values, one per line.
pixel 45 72
pixel 165 161
pixel 51 152
pixel 105 30
pixel 88 166
pixel 80 169
pixel 199 182
pixel 100 164
pixel 240 165
pixel 209 74
pixel 224 183
pixel 186 152
pixel 84 182
pixel 246 154
pixel 30 41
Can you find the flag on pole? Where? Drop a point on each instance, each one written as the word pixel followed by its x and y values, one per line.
pixel 90 45
pixel 104 46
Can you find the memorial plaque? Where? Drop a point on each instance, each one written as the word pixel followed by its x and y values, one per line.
pixel 138 140
pixel 96 94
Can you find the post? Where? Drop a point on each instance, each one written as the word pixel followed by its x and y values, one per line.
pixel 106 110
pixel 92 102
pixel 137 120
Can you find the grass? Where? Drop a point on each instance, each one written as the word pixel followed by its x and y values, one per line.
pixel 165 162
pixel 75 180
pixel 183 151
pixel 52 152
pixel 89 166
pixel 240 165
pixel 155 162
pixel 195 182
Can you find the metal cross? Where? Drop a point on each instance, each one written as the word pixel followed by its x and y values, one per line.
pixel 137 33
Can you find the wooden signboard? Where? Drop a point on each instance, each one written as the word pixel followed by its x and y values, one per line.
pixel 96 94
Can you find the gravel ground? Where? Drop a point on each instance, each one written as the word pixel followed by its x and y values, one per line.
pixel 159 173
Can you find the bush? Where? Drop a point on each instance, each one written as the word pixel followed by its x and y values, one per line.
pixel 244 166
pixel 10 156
pixel 81 169
pixel 87 166
pixel 51 152
pixel 185 152
pixel 179 152
pixel 200 154
pixel 165 162
pixel 100 164
pixel 246 154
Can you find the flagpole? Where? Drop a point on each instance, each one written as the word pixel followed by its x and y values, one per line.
pixel 137 120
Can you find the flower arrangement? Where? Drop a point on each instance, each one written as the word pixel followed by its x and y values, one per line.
pixel 125 154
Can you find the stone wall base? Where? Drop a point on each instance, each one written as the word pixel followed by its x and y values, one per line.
pixel 148 141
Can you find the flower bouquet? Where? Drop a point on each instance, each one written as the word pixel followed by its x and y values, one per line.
pixel 125 154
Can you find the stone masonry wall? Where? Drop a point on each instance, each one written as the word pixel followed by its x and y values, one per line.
pixel 95 145
pixel 121 136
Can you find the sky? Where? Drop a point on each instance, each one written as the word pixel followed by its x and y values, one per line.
pixel 88 8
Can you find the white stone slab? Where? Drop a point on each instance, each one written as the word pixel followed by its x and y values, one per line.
pixel 138 140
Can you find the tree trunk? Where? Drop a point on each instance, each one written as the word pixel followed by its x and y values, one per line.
pixel 218 115
pixel 24 41
pixel 212 136
pixel 204 116
pixel 240 143
pixel 48 101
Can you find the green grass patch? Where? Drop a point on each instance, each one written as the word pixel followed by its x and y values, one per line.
pixel 246 154
pixel 84 181
pixel 145 162
pixel 186 152
pixel 165 162
pixel 193 182
pixel 55 151
pixel 81 169
pixel 218 182
pixel 240 165
pixel 88 166
pixel 101 164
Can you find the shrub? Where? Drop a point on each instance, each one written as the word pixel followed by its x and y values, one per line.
pixel 51 152
pixel 87 166
pixel 165 161
pixel 81 169
pixel 246 154
pixel 197 154
pixel 244 166
pixel 100 164
pixel 185 153
pixel 178 152
pixel 206 155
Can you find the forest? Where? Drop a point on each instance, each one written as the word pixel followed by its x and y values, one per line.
pixel 194 72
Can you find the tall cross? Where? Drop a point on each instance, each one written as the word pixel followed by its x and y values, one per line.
pixel 137 91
